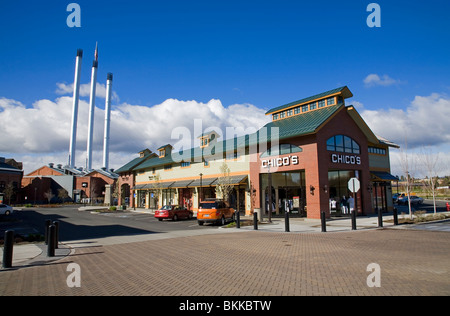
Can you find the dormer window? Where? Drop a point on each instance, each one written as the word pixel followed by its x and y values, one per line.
pixel 204 141
pixel 165 150
pixel 144 152
pixel 207 138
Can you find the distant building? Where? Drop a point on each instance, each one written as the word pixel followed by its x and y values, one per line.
pixel 11 174
pixel 79 185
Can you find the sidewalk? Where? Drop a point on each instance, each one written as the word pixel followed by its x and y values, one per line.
pixel 34 254
pixel 304 225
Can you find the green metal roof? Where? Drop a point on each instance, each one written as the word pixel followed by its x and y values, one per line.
pixel 135 162
pixel 297 125
pixel 314 97
pixel 303 124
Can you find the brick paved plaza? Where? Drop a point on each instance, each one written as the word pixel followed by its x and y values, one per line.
pixel 249 263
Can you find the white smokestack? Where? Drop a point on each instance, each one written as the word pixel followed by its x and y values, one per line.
pixel 92 111
pixel 107 121
pixel 76 97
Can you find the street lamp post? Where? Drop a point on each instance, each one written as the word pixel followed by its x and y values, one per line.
pixel 201 188
pixel 270 194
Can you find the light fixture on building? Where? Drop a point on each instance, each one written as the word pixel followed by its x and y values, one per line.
pixel 311 189
pixel 325 188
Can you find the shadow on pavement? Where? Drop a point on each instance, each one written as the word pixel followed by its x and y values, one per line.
pixel 33 222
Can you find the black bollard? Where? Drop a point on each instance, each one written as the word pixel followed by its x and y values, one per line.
pixel 255 220
pixel 51 241
pixel 238 219
pixel 8 249
pixel 353 220
pixel 323 220
pixel 48 222
pixel 395 216
pixel 380 218
pixel 286 222
pixel 56 223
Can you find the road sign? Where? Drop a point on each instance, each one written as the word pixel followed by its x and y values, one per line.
pixel 353 185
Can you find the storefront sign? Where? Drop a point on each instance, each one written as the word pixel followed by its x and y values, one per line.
pixel 347 159
pixel 279 162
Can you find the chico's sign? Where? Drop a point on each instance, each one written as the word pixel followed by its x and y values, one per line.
pixel 278 162
pixel 347 159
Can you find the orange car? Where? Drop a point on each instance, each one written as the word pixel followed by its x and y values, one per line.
pixel 214 211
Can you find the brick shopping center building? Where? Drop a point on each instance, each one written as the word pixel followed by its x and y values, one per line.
pixel 308 152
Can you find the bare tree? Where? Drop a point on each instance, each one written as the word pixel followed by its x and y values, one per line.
pixel 63 194
pixel 408 165
pixel 224 186
pixel 49 195
pixel 252 197
pixel 116 190
pixel 156 188
pixel 431 167
pixel 9 192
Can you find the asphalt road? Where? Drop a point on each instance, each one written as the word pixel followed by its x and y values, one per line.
pixel 79 225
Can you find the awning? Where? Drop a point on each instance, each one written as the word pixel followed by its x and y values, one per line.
pixel 238 179
pixel 234 179
pixel 138 187
pixel 382 176
pixel 164 185
pixel 181 184
pixel 154 186
pixel 205 182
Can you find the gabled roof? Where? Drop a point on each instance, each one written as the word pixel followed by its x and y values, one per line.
pixel 371 137
pixel 344 91
pixel 165 146
pixel 8 168
pixel 135 162
pixel 107 173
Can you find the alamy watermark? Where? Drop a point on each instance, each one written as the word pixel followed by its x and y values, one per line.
pixel 374 278
pixel 374 18
pixel 74 278
pixel 74 18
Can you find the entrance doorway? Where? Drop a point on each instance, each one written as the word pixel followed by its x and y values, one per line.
pixel 185 198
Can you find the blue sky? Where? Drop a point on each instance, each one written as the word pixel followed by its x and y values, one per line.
pixel 259 53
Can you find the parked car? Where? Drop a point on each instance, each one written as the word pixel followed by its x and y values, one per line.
pixel 214 211
pixel 398 196
pixel 6 209
pixel 414 200
pixel 173 212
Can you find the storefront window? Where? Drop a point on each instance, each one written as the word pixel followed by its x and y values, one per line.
pixel 343 143
pixel 288 192
pixel 339 193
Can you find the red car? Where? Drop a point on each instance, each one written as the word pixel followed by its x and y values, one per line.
pixel 174 212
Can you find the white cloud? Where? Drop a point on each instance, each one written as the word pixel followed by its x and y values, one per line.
pixel 40 134
pixel 424 123
pixel 375 80
pixel 85 90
